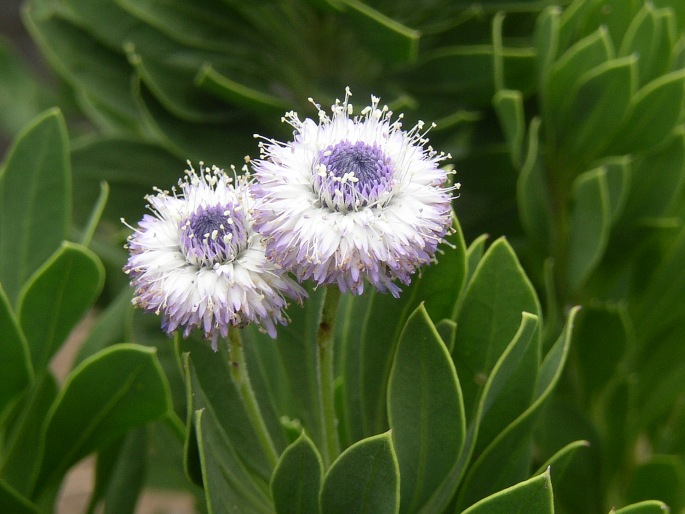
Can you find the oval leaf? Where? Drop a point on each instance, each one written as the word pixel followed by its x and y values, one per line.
pixel 590 226
pixel 296 481
pixel 365 478
pixel 533 496
pixel 425 409
pixel 489 317
pixel 648 507
pixel 57 297
pixel 35 200
pixel 108 394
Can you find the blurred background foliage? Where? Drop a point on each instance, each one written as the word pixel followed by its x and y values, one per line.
pixel 565 121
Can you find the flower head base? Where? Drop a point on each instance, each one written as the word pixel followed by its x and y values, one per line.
pixel 198 263
pixel 352 199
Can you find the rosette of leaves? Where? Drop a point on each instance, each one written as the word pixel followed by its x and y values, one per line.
pixel 600 153
pixel 164 80
pixel 48 282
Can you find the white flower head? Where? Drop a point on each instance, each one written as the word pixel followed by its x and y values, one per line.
pixel 352 199
pixel 197 262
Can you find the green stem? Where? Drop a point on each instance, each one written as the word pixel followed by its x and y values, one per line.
pixel 241 379
pixel 326 377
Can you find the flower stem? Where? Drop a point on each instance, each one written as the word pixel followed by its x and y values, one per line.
pixel 325 337
pixel 241 379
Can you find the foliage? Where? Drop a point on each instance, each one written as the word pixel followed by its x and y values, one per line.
pixel 483 388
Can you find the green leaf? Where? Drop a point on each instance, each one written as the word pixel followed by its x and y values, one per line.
pixel 507 459
pixel 120 474
pixel 489 317
pixel 131 168
pixel 15 366
pixel 657 180
pixel 546 40
pixel 23 437
pixel 12 501
pixel 600 339
pixel 533 496
pixel 558 462
pixel 107 395
pixel 296 481
pixel 425 409
pixel 532 194
pixel 652 114
pixel 196 141
pixel 364 478
pixel 662 477
pixel 590 226
pixel 35 200
pixel 618 174
pixel 22 96
pixel 85 63
pixel 647 37
pixel 564 74
pixel 386 37
pixel 661 304
pixel 238 94
pixel 505 395
pixel 597 105
pixel 227 484
pixel 647 507
pixel 57 297
pixel 508 105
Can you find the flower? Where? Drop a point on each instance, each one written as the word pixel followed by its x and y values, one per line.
pixel 197 261
pixel 352 199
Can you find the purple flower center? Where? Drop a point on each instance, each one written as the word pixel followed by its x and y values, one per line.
pixel 213 235
pixel 349 176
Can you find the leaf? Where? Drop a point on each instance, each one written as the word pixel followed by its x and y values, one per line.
pixel 661 304
pixel 558 462
pixel 24 436
pixel 564 74
pixel 120 473
pixel 589 226
pixel 425 409
pixel 397 43
pixel 601 338
pixel 15 366
pixel 107 395
pixel 546 40
pixel 506 460
pixel 367 355
pixel 652 115
pixel 647 507
pixel 657 179
pixel 296 481
pixel 238 94
pixel 228 488
pixel 661 477
pixel 508 105
pixel 505 395
pixel 489 317
pixel 22 96
pixel 131 168
pixel 196 141
pixel 618 175
pixel 35 200
pixel 57 297
pixel 597 105
pixel 12 501
pixel 647 37
pixel 364 478
pixel 532 194
pixel 533 496
pixel 85 63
